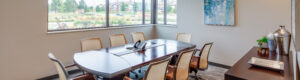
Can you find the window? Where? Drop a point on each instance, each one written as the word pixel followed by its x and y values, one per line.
pixel 161 11
pixel 76 14
pixel 83 14
pixel 125 12
pixel 171 9
pixel 148 13
pixel 167 12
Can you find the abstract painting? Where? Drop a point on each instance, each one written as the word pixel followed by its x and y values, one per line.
pixel 219 12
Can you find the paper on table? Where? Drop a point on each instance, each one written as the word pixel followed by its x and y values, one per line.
pixel 128 51
pixel 122 52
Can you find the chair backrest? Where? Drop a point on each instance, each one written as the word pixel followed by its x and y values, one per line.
pixel 63 75
pixel 204 53
pixel 138 36
pixel 184 37
pixel 157 70
pixel 91 44
pixel 117 40
pixel 183 63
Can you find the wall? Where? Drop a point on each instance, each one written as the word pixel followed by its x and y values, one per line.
pixel 296 19
pixel 24 42
pixel 254 18
pixel 296 32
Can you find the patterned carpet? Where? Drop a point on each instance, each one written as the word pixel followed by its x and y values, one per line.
pixel 212 73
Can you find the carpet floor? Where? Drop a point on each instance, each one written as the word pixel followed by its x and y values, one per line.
pixel 212 73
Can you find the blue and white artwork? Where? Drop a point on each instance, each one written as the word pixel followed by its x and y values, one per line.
pixel 219 12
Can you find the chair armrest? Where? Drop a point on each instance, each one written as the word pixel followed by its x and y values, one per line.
pixel 69 66
pixel 127 78
pixel 194 62
pixel 195 58
pixel 85 77
pixel 198 49
pixel 171 68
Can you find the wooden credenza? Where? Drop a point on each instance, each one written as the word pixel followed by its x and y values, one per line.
pixel 242 70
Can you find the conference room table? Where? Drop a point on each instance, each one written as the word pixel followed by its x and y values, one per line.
pixel 113 63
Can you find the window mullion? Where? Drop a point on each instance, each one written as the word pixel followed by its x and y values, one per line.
pixel 153 11
pixel 107 13
pixel 144 9
pixel 165 11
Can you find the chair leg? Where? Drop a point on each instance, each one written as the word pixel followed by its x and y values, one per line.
pixel 99 77
pixel 194 76
pixel 83 72
pixel 200 78
pixel 193 70
pixel 135 74
pixel 140 70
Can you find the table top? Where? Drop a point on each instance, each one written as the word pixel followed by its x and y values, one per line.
pixel 242 70
pixel 107 63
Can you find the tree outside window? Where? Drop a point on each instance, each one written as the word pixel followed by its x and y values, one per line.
pixel 82 14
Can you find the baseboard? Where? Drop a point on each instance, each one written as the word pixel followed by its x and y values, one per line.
pixel 55 76
pixel 219 65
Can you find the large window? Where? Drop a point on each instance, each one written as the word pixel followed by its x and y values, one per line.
pixel 82 14
pixel 161 12
pixel 148 9
pixel 166 11
pixel 171 12
pixel 125 12
pixel 76 14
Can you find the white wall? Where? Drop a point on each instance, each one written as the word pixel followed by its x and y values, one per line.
pixel 24 42
pixel 254 18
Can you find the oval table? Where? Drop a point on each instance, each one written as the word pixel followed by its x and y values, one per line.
pixel 113 63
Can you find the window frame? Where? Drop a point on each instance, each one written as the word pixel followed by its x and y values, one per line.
pixel 153 18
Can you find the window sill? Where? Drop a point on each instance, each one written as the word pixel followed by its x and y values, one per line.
pixel 95 29
pixel 167 25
